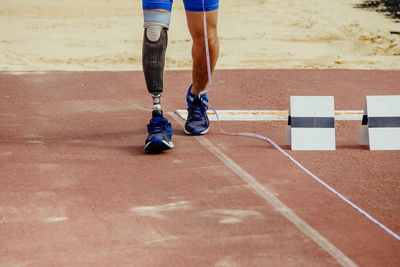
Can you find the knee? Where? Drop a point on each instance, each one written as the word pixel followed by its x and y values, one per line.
pixel 213 38
pixel 213 41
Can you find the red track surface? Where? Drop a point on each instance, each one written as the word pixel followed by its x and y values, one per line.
pixel 77 189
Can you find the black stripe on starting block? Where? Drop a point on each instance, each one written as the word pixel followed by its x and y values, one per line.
pixel 364 120
pixel 312 122
pixel 382 122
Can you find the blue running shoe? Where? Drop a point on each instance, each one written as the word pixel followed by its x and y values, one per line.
pixel 160 134
pixel 197 122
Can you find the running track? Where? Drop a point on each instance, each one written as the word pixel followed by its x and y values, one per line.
pixel 76 188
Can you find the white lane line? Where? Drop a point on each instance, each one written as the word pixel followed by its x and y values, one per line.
pixel 269 196
pixel 267 115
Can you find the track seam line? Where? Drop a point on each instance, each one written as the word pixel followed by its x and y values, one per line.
pixel 268 195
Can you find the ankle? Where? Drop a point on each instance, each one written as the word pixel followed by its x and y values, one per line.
pixel 194 91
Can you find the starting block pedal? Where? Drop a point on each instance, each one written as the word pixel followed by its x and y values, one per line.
pixel 311 123
pixel 381 123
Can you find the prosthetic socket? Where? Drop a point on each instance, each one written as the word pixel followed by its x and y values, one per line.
pixel 154 47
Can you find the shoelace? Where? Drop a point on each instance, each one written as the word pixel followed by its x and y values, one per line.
pixel 156 127
pixel 198 109
pixel 396 236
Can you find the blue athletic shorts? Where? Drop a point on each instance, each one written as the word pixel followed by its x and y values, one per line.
pixel 190 5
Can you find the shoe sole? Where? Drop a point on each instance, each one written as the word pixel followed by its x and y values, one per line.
pixel 200 133
pixel 157 145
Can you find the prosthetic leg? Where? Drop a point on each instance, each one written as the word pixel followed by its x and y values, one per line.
pixel 155 41
pixel 154 47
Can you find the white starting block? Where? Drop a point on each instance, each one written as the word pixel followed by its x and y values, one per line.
pixel 381 123
pixel 311 123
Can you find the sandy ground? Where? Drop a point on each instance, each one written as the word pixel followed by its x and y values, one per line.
pixel 107 35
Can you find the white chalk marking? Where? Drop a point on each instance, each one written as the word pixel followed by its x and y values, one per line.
pixel 156 211
pixel 34 142
pixel 267 115
pixel 231 216
pixel 55 219
pixel 29 135
pixel 270 197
